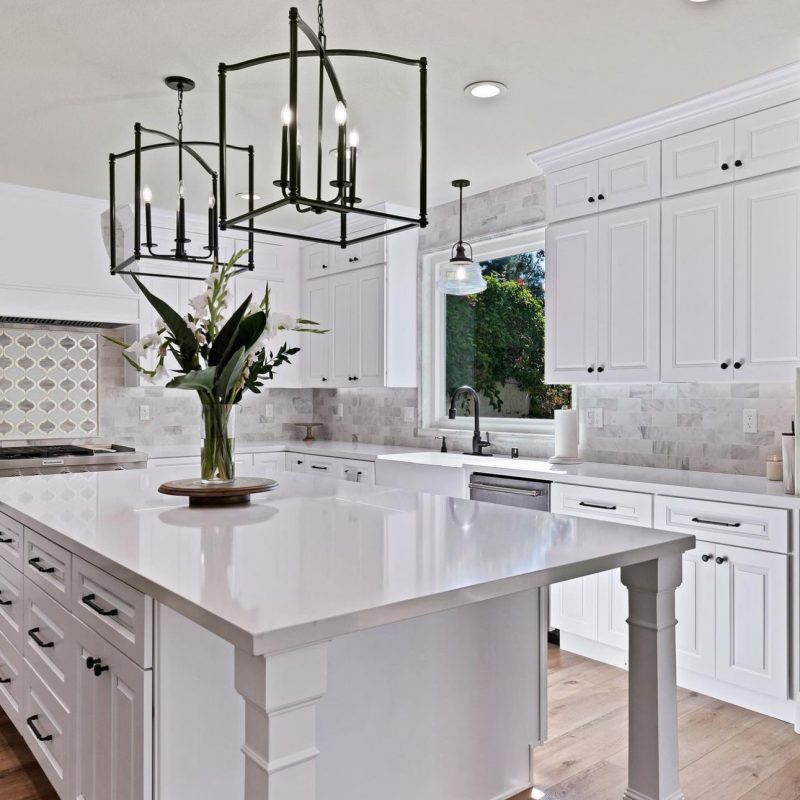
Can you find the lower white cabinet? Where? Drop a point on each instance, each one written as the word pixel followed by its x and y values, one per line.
pixel 573 606
pixel 352 470
pixel 113 721
pixel 695 601
pixel 612 610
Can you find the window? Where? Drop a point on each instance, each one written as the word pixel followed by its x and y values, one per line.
pixel 492 341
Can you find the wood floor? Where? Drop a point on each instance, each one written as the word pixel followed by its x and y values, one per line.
pixel 727 753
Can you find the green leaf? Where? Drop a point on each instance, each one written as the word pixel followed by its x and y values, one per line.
pixel 199 380
pixel 230 375
pixel 177 325
pixel 223 343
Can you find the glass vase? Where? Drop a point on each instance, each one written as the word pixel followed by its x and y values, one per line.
pixel 217 447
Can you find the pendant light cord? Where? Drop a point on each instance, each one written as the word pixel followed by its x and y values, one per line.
pixel 180 132
pixel 460 215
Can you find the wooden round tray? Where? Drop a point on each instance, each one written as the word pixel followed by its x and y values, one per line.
pixel 236 492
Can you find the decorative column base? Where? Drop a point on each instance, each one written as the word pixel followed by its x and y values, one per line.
pixel 280 691
pixel 652 689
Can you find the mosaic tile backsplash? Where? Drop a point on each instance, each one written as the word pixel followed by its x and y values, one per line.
pixel 48 384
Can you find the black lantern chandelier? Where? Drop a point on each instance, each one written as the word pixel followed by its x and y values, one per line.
pixel 181 252
pixel 343 198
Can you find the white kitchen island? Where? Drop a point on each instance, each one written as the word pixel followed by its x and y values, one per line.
pixel 385 643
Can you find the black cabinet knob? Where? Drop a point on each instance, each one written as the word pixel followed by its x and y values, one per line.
pixel 601 369
pixel 324 379
pixel 706 557
pixel 738 162
pixel 90 662
pixel 725 167
pixel 601 197
pixel 590 369
pixel 737 364
pixel 721 559
pixel 591 199
pixel 723 365
pixel 324 266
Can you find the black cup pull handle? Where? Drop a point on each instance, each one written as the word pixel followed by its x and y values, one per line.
pixel 89 600
pixel 36 733
pixel 597 505
pixel 33 634
pixel 717 522
pixel 35 563
pixel 6 541
pixel 5 680
pixel 5 602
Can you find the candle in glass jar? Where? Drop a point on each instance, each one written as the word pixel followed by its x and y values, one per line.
pixel 774 468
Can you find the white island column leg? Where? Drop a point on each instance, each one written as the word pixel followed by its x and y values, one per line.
pixel 280 692
pixel 652 689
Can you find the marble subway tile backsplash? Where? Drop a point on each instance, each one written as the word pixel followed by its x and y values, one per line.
pixel 695 426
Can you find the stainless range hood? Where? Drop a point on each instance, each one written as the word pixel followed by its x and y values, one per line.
pixel 62 323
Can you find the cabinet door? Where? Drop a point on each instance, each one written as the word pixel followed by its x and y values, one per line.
pixel 571 297
pixel 631 177
pixel 572 192
pixel 362 254
pixel 612 607
pixel 752 621
pixel 695 635
pixel 317 361
pixel 628 295
pixel 316 260
pixel 371 335
pixel 697 287
pixel 697 160
pixel 113 720
pixel 573 606
pixel 768 140
pixel 767 278
pixel 344 328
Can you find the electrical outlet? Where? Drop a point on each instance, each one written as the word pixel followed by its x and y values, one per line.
pixel 269 410
pixel 340 409
pixel 408 413
pixel 144 413
pixel 750 420
pixel 593 417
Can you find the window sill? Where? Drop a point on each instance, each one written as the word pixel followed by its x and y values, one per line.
pixel 542 430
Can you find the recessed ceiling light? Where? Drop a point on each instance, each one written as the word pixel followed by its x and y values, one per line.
pixel 246 196
pixel 484 90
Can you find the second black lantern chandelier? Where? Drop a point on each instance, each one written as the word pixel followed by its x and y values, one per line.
pixel 343 196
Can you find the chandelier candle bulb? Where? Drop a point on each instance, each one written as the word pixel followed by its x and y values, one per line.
pixel 286 118
pixel 353 161
pixel 211 204
pixel 147 196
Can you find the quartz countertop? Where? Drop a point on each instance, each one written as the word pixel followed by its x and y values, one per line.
pixel 316 557
pixel 747 489
pixel 355 450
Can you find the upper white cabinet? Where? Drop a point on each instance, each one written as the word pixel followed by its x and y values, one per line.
pixel 316 260
pixel 325 259
pixel 698 159
pixel 623 179
pixel 768 141
pixel 603 286
pixel 697 286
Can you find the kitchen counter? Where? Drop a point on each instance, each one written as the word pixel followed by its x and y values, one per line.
pixel 747 489
pixel 315 558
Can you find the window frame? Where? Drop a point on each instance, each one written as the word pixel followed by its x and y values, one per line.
pixel 433 411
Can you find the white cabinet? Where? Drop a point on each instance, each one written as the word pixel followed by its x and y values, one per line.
pixel 352 353
pixel 768 140
pixel 113 721
pixel 731 282
pixel 361 254
pixel 767 277
pixel 316 260
pixel 602 286
pixel 612 610
pixel 573 606
pixel 698 159
pixel 697 287
pixel 572 192
pixel 695 634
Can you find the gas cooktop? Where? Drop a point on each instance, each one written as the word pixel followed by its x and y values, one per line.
pixel 44 459
pixel 43 451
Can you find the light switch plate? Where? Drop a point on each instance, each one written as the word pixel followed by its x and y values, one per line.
pixel 144 413
pixel 408 413
pixel 340 409
pixel 593 417
pixel 750 420
pixel 269 410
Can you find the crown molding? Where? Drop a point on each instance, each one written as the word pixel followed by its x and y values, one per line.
pixel 772 88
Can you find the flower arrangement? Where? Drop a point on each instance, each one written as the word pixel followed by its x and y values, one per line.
pixel 218 357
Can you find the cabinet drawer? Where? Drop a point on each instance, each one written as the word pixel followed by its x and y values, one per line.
pixel 11 604
pixel 273 462
pixel 10 679
pixel 11 540
pixel 725 523
pixel 629 508
pixel 118 612
pixel 357 472
pixel 46 629
pixel 47 565
pixel 46 727
pixel 296 462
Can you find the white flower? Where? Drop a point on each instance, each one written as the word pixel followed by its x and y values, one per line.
pixel 199 303
pixel 278 321
pixel 136 349
pixel 151 340
pixel 159 325
pixel 160 374
pixel 211 280
pixel 254 308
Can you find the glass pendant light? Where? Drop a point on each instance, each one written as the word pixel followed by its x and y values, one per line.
pixel 461 275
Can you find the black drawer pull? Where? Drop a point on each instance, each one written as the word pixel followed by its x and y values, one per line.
pixel 34 562
pixel 597 505
pixel 716 522
pixel 32 633
pixel 314 466
pixel 88 600
pixel 7 541
pixel 36 733
pixel 5 602
pixel 5 680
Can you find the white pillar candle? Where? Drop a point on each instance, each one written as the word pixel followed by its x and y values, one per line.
pixel 566 428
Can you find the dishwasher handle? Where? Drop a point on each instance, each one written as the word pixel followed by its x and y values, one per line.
pixel 507 490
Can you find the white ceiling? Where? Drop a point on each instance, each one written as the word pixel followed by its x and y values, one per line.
pixel 77 75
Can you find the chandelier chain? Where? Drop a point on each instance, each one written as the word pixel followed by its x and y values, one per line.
pixel 180 110
pixel 321 23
